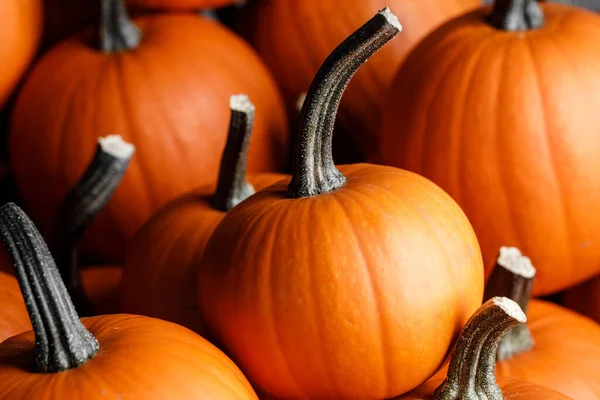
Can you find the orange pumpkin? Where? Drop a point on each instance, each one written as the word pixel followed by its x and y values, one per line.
pixel 119 356
pixel 20 30
pixel 162 82
pixel 312 287
pixel 160 275
pixel 13 314
pixel 585 298
pixel 471 373
pixel 294 37
pixel 505 120
pixel 181 4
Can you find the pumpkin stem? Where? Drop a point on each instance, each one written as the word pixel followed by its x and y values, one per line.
pixel 512 277
pixel 61 340
pixel 81 205
pixel 471 374
pixel 516 15
pixel 314 172
pixel 117 30
pixel 232 187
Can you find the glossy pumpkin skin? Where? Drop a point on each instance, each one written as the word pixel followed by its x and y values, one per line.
pixel 102 284
pixel 328 282
pixel 20 30
pixel 513 389
pixel 294 37
pixel 190 367
pixel 168 97
pixel 506 123
pixel 160 274
pixel 13 314
pixel 180 4
pixel 585 298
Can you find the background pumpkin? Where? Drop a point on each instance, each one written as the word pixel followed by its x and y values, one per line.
pixel 294 37
pixel 585 298
pixel 507 123
pixel 103 357
pixel 320 272
pixel 13 314
pixel 168 97
pixel 160 275
pixel 20 30
pixel 181 4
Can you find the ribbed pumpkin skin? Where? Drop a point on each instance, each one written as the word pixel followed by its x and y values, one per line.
pixel 13 314
pixel 160 275
pixel 139 358
pixel 169 98
pixel 20 30
pixel 295 37
pixel 585 298
pixel 356 293
pixel 180 4
pixel 508 125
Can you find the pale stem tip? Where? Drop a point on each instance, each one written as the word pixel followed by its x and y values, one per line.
pixel 512 259
pixel 116 146
pixel 241 103
pixel 392 19
pixel 511 308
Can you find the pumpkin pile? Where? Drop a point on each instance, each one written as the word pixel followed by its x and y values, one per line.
pixel 176 224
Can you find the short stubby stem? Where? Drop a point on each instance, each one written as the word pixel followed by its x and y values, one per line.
pixel 516 15
pixel 117 30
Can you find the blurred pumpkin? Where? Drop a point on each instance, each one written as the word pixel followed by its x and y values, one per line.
pixel 584 298
pixel 181 4
pixel 13 314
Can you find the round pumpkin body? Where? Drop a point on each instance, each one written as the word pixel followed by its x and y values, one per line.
pixel 20 30
pixel 160 274
pixel 102 284
pixel 507 124
pixel 585 298
pixel 318 297
pixel 294 37
pixel 168 97
pixel 13 314
pixel 139 358
pixel 180 4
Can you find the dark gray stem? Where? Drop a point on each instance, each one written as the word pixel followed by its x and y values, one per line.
pixel 61 340
pixel 472 366
pixel 117 30
pixel 512 277
pixel 516 15
pixel 313 170
pixel 232 186
pixel 81 205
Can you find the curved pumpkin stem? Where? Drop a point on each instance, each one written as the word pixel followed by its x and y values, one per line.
pixel 512 277
pixel 232 187
pixel 81 205
pixel 471 374
pixel 516 15
pixel 117 31
pixel 313 169
pixel 61 340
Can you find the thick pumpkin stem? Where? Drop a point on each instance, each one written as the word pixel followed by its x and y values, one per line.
pixel 232 187
pixel 117 30
pixel 471 374
pixel 81 205
pixel 512 277
pixel 516 15
pixel 61 340
pixel 313 171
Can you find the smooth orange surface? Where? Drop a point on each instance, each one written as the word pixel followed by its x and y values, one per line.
pixel 161 271
pixel 585 298
pixel 295 37
pixel 139 358
pixel 180 4
pixel 13 313
pixel 508 124
pixel 20 30
pixel 353 294
pixel 102 284
pixel 513 389
pixel 169 97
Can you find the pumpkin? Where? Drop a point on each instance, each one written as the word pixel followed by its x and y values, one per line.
pixel 162 82
pixel 103 357
pixel 294 37
pixel 181 4
pixel 160 274
pixel 13 314
pixel 311 287
pixel 471 372
pixel 584 298
pixel 498 107
pixel 20 30
pixel 102 285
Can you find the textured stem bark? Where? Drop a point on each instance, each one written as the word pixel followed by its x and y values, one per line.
pixel 61 340
pixel 117 30
pixel 512 277
pixel 81 205
pixel 233 187
pixel 313 171
pixel 516 15
pixel 471 372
